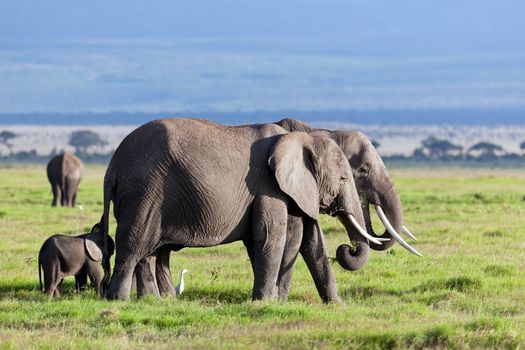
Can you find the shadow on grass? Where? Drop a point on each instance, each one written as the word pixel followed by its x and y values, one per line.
pixel 217 295
pixel 366 292
pixel 27 290
pixel 459 284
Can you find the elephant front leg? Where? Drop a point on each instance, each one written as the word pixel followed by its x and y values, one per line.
pixel 294 236
pixel 146 277
pixel 269 233
pixel 313 250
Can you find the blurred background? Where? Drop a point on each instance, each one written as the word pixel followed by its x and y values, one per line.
pixel 431 82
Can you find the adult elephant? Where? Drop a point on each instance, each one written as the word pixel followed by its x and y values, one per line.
pixel 65 173
pixel 374 186
pixel 193 183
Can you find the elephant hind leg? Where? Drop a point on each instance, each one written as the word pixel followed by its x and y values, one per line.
pixel 52 277
pixel 70 191
pixel 55 188
pixel 120 283
pixel 126 260
pixel 146 277
pixel 164 279
pixel 63 196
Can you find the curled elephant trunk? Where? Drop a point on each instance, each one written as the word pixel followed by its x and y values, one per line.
pixel 391 215
pixel 355 257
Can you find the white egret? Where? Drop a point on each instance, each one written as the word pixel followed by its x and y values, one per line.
pixel 180 287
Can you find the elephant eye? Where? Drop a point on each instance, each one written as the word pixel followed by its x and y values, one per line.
pixel 363 170
pixel 343 178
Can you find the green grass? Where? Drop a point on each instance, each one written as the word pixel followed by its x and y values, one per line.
pixel 467 291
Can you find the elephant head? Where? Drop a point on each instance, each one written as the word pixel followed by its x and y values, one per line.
pixel 374 185
pixel 94 244
pixel 100 247
pixel 314 172
pixel 375 188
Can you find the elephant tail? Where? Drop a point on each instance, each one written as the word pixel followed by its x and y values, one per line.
pixel 106 265
pixel 40 269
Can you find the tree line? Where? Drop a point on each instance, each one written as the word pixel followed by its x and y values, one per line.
pixel 88 145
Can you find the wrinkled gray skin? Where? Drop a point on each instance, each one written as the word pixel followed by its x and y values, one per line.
pixel 62 256
pixel 192 183
pixel 64 173
pixel 374 186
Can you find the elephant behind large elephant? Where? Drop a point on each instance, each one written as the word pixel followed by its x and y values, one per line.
pixel 373 183
pixel 194 183
pixel 65 173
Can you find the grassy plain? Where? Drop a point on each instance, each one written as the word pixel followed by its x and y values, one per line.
pixel 468 290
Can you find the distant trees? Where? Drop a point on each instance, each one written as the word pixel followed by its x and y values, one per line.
pixel 522 146
pixel 486 150
pixel 82 140
pixel 6 137
pixel 433 147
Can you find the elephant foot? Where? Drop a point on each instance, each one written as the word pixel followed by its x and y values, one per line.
pixel 116 295
pixel 120 283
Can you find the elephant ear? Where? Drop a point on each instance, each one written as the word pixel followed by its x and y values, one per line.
pixel 93 250
pixel 292 160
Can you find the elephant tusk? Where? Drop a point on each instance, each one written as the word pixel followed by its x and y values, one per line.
pixel 362 231
pixel 393 232
pixel 409 234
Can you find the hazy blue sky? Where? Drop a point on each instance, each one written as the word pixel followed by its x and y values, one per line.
pixel 260 55
pixel 453 25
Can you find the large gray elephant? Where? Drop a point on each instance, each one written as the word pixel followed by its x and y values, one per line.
pixel 64 173
pixel 193 183
pixel 375 187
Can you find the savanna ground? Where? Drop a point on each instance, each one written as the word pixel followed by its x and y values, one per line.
pixel 468 290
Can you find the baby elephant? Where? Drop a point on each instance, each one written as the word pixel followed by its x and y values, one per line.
pixel 62 256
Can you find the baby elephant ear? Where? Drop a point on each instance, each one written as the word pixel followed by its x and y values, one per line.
pixel 292 161
pixel 94 252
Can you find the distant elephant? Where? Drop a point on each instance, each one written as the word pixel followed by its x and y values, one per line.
pixel 81 256
pixel 64 173
pixel 179 183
